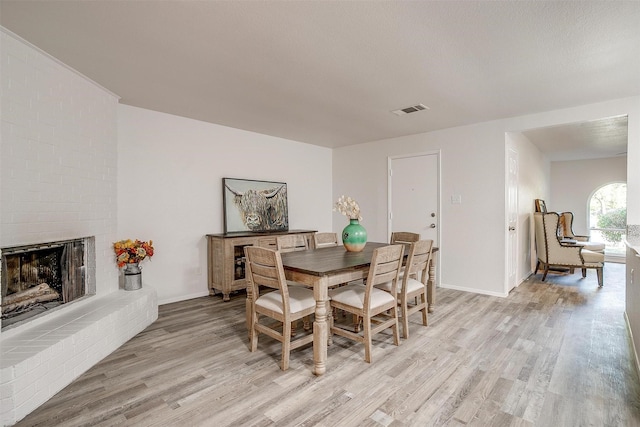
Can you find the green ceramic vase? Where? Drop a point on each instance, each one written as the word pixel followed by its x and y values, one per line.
pixel 354 236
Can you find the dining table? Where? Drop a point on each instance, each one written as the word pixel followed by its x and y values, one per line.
pixel 324 268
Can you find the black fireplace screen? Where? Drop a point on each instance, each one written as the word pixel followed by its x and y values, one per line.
pixel 40 277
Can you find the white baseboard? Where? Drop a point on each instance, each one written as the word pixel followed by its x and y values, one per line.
pixel 475 290
pixel 183 297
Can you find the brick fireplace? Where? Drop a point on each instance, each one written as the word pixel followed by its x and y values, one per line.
pixel 58 183
pixel 42 278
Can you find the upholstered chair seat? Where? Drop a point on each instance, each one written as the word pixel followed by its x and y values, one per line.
pixel 412 285
pixel 591 258
pixel 353 295
pixel 300 299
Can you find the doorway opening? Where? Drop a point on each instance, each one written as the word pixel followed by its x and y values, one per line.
pixel 608 218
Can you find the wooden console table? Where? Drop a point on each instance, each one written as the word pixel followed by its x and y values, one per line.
pixel 225 257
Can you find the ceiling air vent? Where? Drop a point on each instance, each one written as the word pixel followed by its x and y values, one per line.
pixel 409 110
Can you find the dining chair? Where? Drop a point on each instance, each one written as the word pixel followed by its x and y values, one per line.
pixel 325 240
pixel 413 284
pixel 284 303
pixel 377 308
pixel 404 237
pixel 291 243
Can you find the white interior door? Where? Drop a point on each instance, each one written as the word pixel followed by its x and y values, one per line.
pixel 512 219
pixel 413 192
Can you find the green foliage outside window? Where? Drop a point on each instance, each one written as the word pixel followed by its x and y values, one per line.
pixel 616 218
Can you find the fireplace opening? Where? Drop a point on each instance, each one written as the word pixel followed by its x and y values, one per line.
pixel 39 278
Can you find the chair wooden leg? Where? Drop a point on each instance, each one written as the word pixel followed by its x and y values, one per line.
pixel 584 272
pixel 294 326
pixel 253 334
pixel 366 325
pixel 396 327
pixel 286 345
pixel 425 318
pixel 356 323
pixel 546 270
pixel 405 319
pixel 307 324
pixel 537 267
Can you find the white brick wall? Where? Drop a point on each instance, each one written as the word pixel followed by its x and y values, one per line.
pixel 58 181
pixel 58 156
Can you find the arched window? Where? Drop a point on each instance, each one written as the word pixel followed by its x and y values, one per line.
pixel 608 217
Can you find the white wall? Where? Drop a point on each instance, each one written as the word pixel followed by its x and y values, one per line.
pixel 533 183
pixel 573 183
pixel 626 106
pixel 633 161
pixel 170 172
pixel 473 165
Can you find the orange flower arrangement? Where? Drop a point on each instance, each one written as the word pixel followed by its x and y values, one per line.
pixel 132 251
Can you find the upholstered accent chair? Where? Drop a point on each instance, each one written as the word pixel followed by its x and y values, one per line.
pixel 565 230
pixel 541 206
pixel 553 253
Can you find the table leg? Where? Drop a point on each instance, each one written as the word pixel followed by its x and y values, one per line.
pixel 320 327
pixel 431 283
pixel 329 323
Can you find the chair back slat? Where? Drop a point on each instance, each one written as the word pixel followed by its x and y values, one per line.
pixel 385 267
pixel 325 240
pixel 419 258
pixel 404 237
pixel 264 268
pixel 291 243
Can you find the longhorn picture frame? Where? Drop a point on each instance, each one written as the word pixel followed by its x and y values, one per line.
pixel 254 206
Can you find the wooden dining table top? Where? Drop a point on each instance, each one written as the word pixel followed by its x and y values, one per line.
pixel 329 260
pixel 325 261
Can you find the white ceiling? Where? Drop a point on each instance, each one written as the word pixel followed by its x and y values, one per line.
pixel 595 139
pixel 329 72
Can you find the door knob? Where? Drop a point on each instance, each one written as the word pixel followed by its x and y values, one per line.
pixel 432 226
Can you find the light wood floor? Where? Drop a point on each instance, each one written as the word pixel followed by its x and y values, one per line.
pixel 551 354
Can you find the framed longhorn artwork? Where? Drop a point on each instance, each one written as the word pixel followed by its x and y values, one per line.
pixel 250 205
